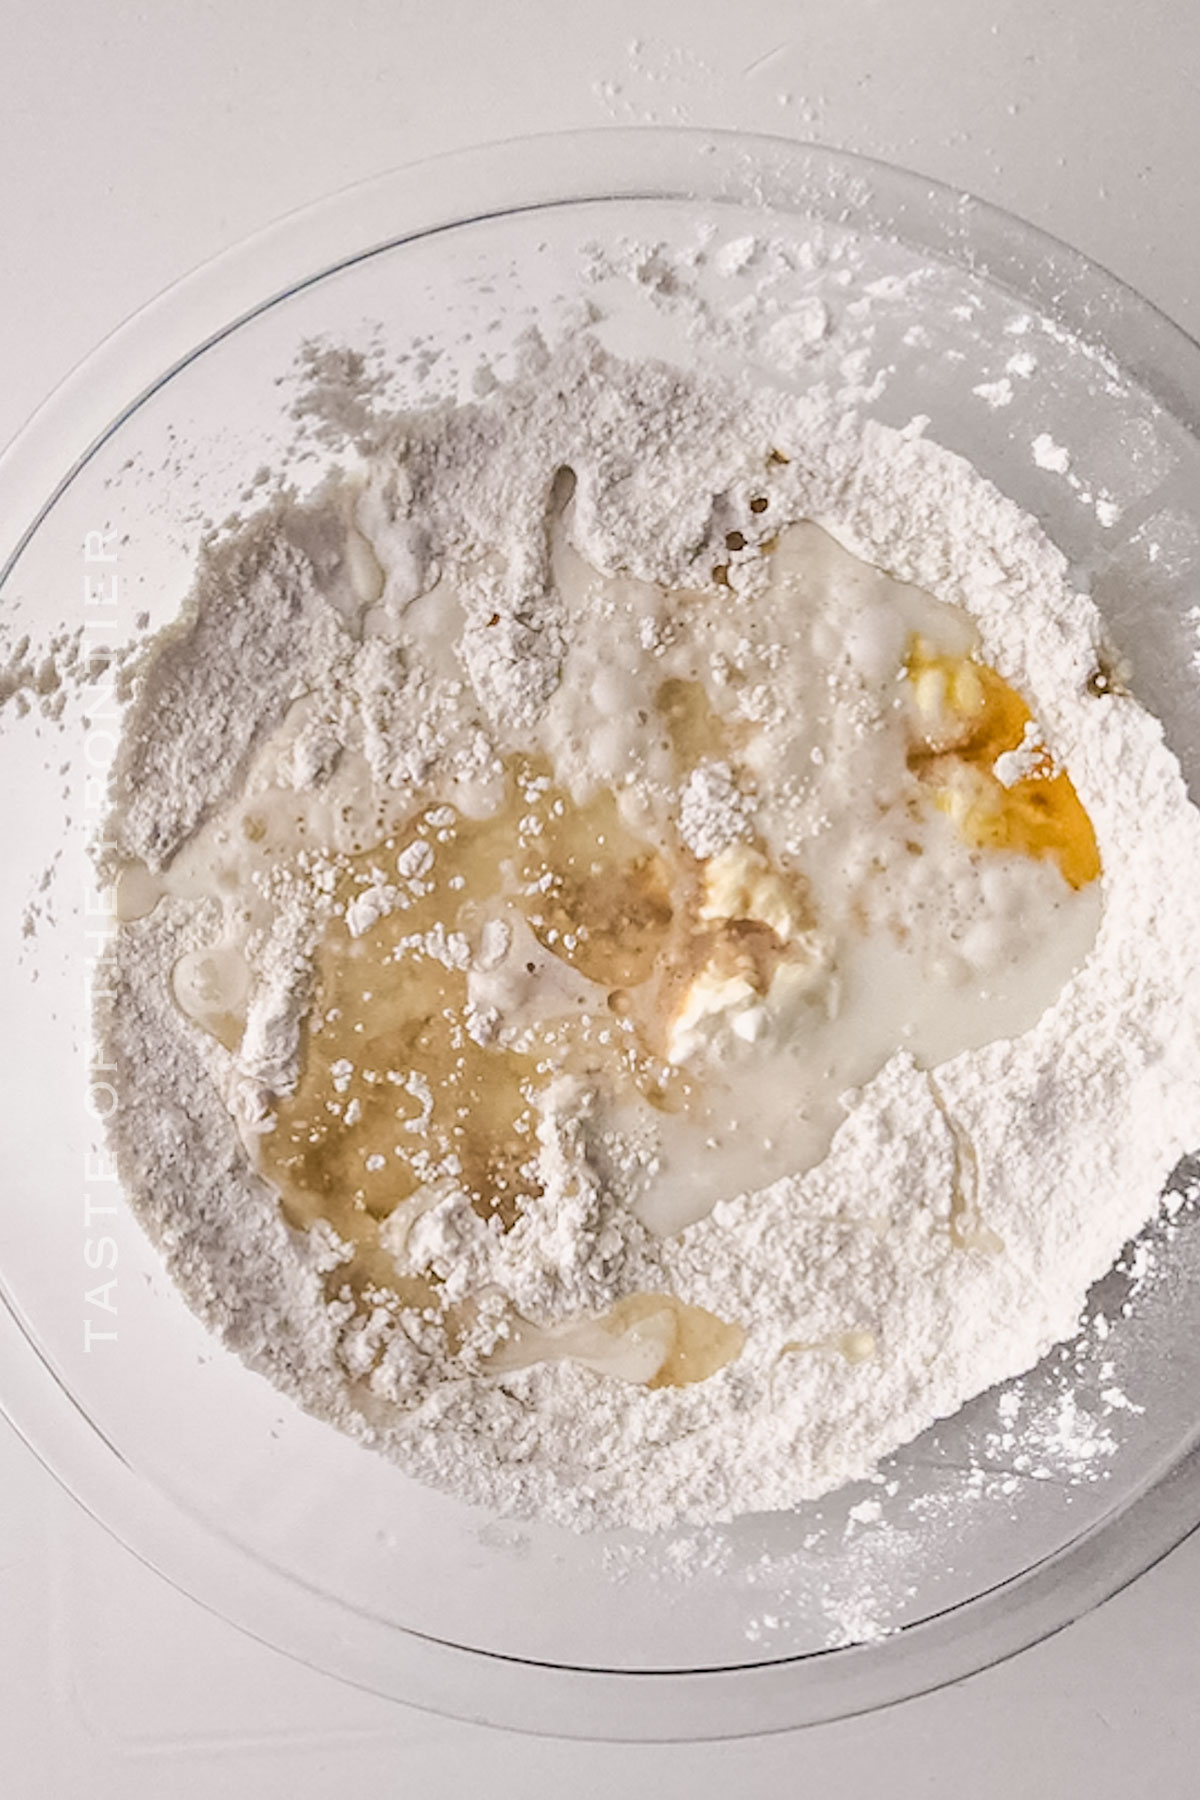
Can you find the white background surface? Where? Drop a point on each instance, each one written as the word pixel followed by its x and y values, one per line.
pixel 139 139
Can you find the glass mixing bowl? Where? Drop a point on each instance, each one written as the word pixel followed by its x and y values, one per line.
pixel 992 1530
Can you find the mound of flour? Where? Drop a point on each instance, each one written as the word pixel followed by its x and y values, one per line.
pixel 1071 1130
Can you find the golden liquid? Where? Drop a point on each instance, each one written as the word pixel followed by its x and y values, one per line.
pixel 594 893
pixel 695 728
pixel 688 1343
pixel 349 1146
pixel 701 1343
pixel 979 718
pixel 394 1089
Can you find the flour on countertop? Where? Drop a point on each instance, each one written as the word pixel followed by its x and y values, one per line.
pixel 996 393
pixel 1049 455
pixel 408 624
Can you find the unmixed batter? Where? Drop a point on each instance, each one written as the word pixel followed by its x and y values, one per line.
pixel 658 956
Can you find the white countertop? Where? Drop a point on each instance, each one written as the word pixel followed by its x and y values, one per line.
pixel 136 141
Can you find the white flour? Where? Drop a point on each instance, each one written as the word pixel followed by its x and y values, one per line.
pixel 409 630
pixel 712 812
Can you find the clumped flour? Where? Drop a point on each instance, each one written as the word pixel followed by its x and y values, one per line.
pixel 907 1084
